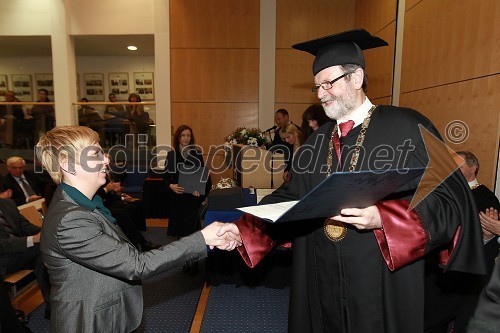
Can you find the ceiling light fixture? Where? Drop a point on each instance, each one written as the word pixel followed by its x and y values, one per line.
pixel 132 48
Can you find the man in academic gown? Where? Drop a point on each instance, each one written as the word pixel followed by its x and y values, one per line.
pixel 453 296
pixel 371 278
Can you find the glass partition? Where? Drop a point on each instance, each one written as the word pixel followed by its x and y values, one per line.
pixel 123 124
pixel 23 123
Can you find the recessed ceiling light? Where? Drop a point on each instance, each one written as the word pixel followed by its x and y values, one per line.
pixel 132 48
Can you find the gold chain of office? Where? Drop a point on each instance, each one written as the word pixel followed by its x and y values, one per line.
pixel 336 230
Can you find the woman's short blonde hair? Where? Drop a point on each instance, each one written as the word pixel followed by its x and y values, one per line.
pixel 61 144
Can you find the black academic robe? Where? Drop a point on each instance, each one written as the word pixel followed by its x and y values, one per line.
pixel 361 284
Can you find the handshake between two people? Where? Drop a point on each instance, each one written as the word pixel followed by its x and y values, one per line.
pixel 224 236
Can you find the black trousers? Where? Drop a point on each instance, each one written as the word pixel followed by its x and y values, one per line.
pixel 8 318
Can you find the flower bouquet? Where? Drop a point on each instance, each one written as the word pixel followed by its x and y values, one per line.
pixel 246 136
pixel 224 183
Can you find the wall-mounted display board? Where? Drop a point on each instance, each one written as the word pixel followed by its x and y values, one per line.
pixel 93 84
pixel 144 85
pixel 21 85
pixel 118 85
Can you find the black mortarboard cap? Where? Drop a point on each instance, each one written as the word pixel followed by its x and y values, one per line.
pixel 340 49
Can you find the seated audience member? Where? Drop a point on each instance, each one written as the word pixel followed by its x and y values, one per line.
pixel 127 212
pixel 452 297
pixel 19 242
pixel 292 135
pixel 24 185
pixel 281 119
pixel 95 270
pixel 139 118
pixel 87 115
pixel 44 115
pixel 313 118
pixel 114 110
pixel 16 129
pixel 486 317
pixel 116 122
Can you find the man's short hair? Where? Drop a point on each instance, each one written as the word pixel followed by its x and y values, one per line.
pixel 470 159
pixel 282 111
pixel 14 159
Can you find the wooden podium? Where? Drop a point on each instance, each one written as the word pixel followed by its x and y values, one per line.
pixel 258 168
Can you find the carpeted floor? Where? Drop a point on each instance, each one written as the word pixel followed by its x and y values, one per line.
pixel 246 310
pixel 171 298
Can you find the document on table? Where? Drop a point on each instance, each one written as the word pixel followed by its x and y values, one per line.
pixel 340 190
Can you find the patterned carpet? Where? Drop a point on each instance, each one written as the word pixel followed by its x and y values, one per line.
pixel 246 310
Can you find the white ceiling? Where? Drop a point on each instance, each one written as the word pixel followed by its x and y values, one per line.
pixel 116 45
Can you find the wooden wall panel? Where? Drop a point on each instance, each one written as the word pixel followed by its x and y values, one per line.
pixel 212 122
pixel 214 75
pixel 449 41
pixel 380 64
pixel 381 101
pixel 294 77
pixel 214 67
pixel 297 21
pixel 473 102
pixel 214 23
pixel 301 20
pixel 375 15
pixel 411 3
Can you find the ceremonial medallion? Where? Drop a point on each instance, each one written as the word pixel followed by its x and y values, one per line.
pixel 335 230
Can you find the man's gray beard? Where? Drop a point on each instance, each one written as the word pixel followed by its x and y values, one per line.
pixel 343 105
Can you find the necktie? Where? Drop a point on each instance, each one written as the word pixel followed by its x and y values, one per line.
pixel 344 129
pixel 27 188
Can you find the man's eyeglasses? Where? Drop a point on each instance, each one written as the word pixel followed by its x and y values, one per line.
pixel 328 84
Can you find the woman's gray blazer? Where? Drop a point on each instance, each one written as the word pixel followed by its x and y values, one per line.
pixel 95 272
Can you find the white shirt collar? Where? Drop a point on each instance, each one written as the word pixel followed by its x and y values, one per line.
pixel 19 178
pixel 473 183
pixel 358 115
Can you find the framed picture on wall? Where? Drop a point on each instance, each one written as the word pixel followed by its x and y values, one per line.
pixel 4 86
pixel 21 85
pixel 93 86
pixel 118 85
pixel 144 85
pixel 45 81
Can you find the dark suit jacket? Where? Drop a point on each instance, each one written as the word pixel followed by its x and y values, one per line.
pixel 19 224
pixel 17 192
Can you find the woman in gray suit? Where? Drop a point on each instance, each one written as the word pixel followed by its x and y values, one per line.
pixel 95 271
